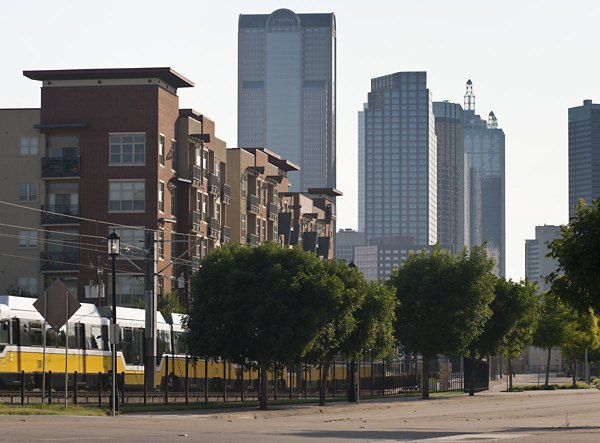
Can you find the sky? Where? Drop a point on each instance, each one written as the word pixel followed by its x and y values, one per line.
pixel 529 62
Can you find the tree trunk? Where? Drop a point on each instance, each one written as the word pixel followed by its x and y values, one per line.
pixel 548 368
pixel 510 376
pixel 323 383
pixel 425 393
pixel 474 364
pixel 264 385
pixel 574 374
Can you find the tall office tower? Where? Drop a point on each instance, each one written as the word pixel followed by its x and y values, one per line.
pixel 400 160
pixel 286 91
pixel 584 153
pixel 537 263
pixel 484 143
pixel 450 175
pixel 361 169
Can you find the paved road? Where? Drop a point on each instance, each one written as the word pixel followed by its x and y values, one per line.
pixel 553 416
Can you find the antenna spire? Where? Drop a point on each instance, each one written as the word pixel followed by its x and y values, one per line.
pixel 492 120
pixel 469 97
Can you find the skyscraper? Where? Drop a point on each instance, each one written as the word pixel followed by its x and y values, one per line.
pixel 584 153
pixel 450 175
pixel 537 263
pixel 400 160
pixel 286 91
pixel 361 169
pixel 484 143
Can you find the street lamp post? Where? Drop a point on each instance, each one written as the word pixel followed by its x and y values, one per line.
pixel 114 249
pixel 353 390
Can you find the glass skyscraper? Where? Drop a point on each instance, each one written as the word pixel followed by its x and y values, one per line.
pixel 584 154
pixel 400 160
pixel 286 91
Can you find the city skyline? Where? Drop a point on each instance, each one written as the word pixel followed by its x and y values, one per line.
pixel 529 68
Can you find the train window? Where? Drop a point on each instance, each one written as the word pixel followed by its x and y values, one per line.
pixel 163 343
pixel 4 332
pixel 51 339
pixel 80 336
pixel 15 331
pixel 104 338
pixel 35 333
pixel 95 339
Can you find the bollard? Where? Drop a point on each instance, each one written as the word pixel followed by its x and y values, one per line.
pixel 99 389
pixel 75 384
pixel 22 388
pixel 49 387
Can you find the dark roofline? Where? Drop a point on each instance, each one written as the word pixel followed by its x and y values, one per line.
pixel 275 159
pixel 165 74
pixel 331 192
pixel 310 20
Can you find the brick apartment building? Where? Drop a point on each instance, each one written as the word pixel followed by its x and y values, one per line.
pixel 117 153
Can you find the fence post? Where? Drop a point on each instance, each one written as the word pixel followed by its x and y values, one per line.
pixel 305 381
pixel 122 388
pixel 334 380
pixel 166 379
pixel 22 388
pixel 242 388
pixel 145 387
pixel 372 376
pixel 274 383
pixel 99 389
pixel 224 381
pixel 187 379
pixel 75 383
pixel 383 378
pixel 291 377
pixel 206 380
pixel 49 387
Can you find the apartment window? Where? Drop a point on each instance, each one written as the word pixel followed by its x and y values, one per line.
pixel 27 239
pixel 205 207
pixel 127 149
pixel 243 225
pixel 127 196
pixel 130 289
pixel 264 230
pixel 174 155
pixel 244 182
pixel 29 146
pixel 132 241
pixel 205 161
pixel 173 201
pixel 28 284
pixel 161 196
pixel 161 244
pixel 264 194
pixel 161 150
pixel 28 192
pixel 173 245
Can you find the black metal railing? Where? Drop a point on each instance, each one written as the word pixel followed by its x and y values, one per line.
pixel 61 167
pixel 215 227
pixel 214 183
pixel 66 260
pixel 195 219
pixel 196 174
pixel 60 214
pixel 273 211
pixel 225 234
pixel 253 239
pixel 226 193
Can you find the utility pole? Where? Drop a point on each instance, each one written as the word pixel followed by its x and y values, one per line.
pixel 150 305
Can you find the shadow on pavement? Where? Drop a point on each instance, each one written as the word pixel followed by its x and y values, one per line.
pixel 374 435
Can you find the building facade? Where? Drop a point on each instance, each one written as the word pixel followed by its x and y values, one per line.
pixel 345 242
pixel 484 144
pixel 538 265
pixel 361 169
pixel 287 91
pixel 400 159
pixel 584 154
pixel 450 175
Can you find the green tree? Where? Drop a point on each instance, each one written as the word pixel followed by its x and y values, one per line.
pixel 581 333
pixel 443 302
pixel 170 303
pixel 510 328
pixel 263 305
pixel 577 252
pixel 552 326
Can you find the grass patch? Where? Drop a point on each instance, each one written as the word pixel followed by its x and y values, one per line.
pixel 39 409
pixel 552 387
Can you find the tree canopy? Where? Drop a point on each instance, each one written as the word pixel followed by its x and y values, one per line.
pixel 443 302
pixel 264 305
pixel 577 252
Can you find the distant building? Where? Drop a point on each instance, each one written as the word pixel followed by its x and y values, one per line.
pixel 584 154
pixel 365 259
pixel 537 263
pixel 287 91
pixel 361 169
pixel 484 143
pixel 400 160
pixel 450 175
pixel 345 242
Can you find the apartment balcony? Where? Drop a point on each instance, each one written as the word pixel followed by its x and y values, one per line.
pixel 196 175
pixel 253 239
pixel 215 228
pixel 59 261
pixel 225 193
pixel 225 234
pixel 60 215
pixel 195 220
pixel 58 167
pixel 214 184
pixel 273 211
pixel 253 203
